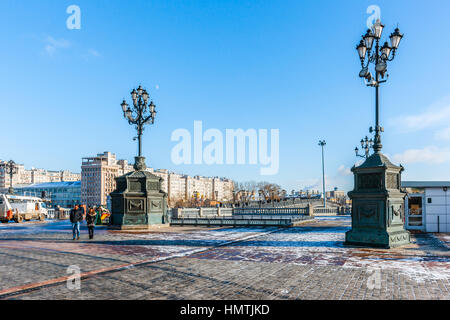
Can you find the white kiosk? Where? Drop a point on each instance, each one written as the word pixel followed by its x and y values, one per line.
pixel 427 205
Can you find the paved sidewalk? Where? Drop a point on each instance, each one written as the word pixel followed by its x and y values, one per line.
pixel 305 262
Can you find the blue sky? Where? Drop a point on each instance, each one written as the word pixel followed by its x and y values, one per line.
pixel 287 65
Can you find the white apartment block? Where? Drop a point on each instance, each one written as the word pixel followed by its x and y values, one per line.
pixel 184 187
pixel 178 187
pixel 98 173
pixel 97 177
pixel 34 176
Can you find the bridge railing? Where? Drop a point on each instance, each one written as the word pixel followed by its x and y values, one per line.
pixel 326 211
pixel 320 211
pixel 60 214
pixel 270 211
pixel 178 213
pixel 248 212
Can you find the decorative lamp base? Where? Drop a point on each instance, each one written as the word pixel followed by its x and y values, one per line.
pixel 138 201
pixel 378 208
pixel 139 164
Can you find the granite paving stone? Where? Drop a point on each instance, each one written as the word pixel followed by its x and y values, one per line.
pixel 304 262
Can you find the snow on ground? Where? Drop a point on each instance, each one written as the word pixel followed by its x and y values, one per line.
pixel 320 243
pixel 325 246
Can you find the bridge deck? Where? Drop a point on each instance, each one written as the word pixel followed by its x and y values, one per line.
pixel 246 222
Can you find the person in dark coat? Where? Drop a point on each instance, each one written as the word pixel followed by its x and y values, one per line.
pixel 76 216
pixel 90 221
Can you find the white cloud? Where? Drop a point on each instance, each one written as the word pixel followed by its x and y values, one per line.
pixel 430 155
pixel 91 53
pixel 443 134
pixel 94 53
pixel 435 115
pixel 309 184
pixel 51 45
pixel 427 119
pixel 344 171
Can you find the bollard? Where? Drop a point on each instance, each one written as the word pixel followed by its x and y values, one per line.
pixel 218 212
pixel 200 213
pixel 179 213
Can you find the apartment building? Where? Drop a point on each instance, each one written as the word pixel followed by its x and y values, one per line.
pixel 98 173
pixel 97 177
pixel 336 194
pixel 177 187
pixel 34 176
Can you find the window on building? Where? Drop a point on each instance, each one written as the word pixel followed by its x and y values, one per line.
pixel 429 200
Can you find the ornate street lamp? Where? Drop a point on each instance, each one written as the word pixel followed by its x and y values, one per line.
pixel 378 57
pixel 378 207
pixel 10 168
pixel 140 114
pixel 322 143
pixel 366 144
pixel 138 200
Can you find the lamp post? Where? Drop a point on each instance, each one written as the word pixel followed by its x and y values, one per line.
pixel 366 144
pixel 138 200
pixel 378 206
pixel 141 114
pixel 10 168
pixel 322 143
pixel 379 58
pixel 260 196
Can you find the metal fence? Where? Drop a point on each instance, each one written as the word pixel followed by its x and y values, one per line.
pixel 200 212
pixel 326 211
pixel 240 222
pixel 249 212
pixel 61 214
pixel 270 211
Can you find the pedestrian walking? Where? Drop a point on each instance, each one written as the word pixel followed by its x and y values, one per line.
pixel 90 220
pixel 76 216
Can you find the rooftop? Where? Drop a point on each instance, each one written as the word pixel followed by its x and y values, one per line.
pixel 425 184
pixel 52 185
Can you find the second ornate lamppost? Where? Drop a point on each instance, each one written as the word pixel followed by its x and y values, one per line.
pixel 10 168
pixel 366 144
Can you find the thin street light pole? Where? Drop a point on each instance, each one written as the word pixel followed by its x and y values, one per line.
pixel 322 143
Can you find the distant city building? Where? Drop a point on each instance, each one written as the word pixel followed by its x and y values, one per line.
pixel 98 173
pixel 336 194
pixel 34 176
pixel 184 187
pixel 306 193
pixel 97 177
pixel 63 194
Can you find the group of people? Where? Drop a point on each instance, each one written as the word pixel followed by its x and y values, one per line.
pixel 77 215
